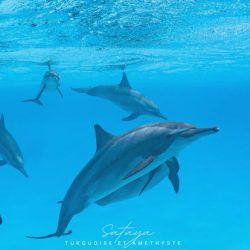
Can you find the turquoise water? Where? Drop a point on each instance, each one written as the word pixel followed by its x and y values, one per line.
pixel 190 57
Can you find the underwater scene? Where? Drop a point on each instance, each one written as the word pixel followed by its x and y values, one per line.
pixel 125 124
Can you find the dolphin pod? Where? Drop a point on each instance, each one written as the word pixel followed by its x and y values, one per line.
pixel 122 162
pixel 50 82
pixel 123 166
pixel 127 98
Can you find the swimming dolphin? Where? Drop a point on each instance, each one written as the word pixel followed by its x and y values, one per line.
pixel 51 82
pixel 125 97
pixel 135 188
pixel 1 220
pixel 9 150
pixel 120 160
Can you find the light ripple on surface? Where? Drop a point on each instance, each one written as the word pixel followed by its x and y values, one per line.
pixel 168 35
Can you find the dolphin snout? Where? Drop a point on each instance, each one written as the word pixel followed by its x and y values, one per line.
pixel 209 130
pixel 23 171
pixel 200 132
pixel 163 117
pixel 158 114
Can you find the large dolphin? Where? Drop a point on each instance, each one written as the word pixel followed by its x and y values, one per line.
pixel 127 98
pixel 135 188
pixel 120 160
pixel 50 82
pixel 9 150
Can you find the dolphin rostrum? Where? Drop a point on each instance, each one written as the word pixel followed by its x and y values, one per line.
pixel 9 150
pixel 127 98
pixel 135 188
pixel 51 82
pixel 119 160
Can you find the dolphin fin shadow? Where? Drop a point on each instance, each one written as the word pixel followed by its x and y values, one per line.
pixel 140 167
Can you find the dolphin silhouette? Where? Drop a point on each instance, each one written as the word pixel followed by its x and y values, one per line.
pixel 119 160
pixel 51 82
pixel 9 150
pixel 125 97
pixel 135 188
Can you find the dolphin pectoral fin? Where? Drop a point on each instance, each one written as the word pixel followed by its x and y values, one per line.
pixel 151 176
pixel 60 202
pixel 140 167
pixel 131 117
pixel 2 163
pixel 48 236
pixel 173 166
pixel 60 92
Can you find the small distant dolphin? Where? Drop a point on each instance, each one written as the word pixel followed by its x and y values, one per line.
pixel 135 188
pixel 9 150
pixel 119 160
pixel 1 220
pixel 51 82
pixel 125 97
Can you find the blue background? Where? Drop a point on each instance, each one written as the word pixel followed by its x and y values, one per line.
pixel 193 62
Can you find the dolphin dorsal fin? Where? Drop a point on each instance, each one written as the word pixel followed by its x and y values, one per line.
pixel 102 137
pixel 124 82
pixel 2 123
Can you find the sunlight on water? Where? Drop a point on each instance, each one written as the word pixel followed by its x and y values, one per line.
pixel 148 33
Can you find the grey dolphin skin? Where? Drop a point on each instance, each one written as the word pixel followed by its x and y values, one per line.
pixel 9 150
pixel 135 188
pixel 120 160
pixel 127 98
pixel 51 82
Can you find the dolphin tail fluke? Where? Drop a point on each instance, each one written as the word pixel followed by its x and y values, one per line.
pixel 48 236
pixel 81 90
pixel 37 101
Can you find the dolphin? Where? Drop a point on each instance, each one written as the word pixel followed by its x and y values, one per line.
pixel 9 150
pixel 1 220
pixel 119 160
pixel 127 98
pixel 50 82
pixel 135 188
